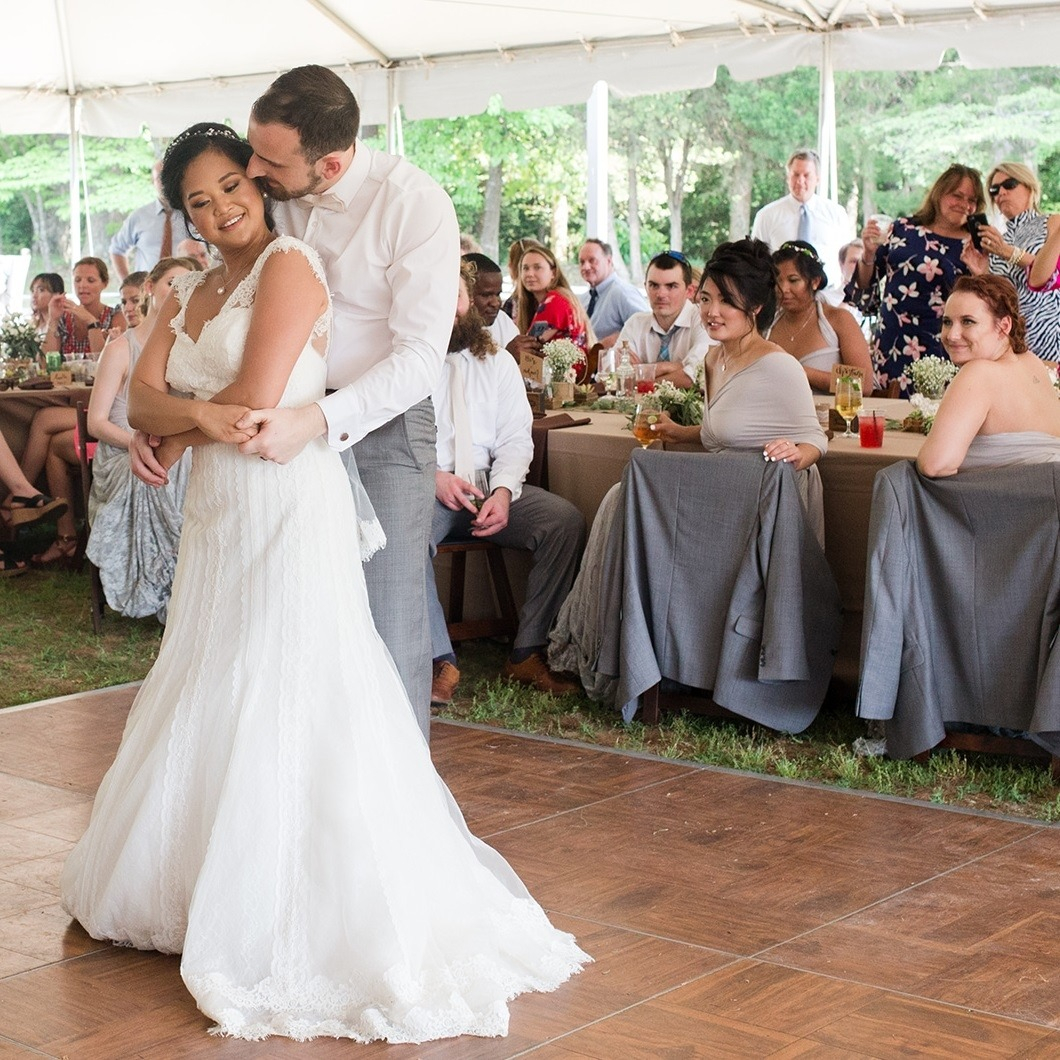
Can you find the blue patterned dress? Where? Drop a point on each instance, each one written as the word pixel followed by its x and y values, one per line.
pixel 917 270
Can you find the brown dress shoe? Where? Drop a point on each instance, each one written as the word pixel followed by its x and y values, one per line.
pixel 444 680
pixel 534 672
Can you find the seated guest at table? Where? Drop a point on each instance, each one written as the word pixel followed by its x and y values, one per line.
pixel 483 421
pixel 546 305
pixel 79 329
pixel 918 261
pixel 50 448
pixel 816 334
pixel 135 528
pixel 486 298
pixel 515 253
pixel 757 397
pixel 41 289
pixel 670 335
pixel 1017 194
pixel 132 292
pixel 610 300
pixel 1002 407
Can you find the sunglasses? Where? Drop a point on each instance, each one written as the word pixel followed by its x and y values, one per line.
pixel 1009 184
pixel 675 254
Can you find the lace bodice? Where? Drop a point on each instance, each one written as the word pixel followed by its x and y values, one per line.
pixel 206 365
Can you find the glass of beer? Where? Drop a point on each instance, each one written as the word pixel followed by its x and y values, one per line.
pixel 647 414
pixel 848 401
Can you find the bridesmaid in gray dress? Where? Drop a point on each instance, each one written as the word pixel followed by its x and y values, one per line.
pixel 135 527
pixel 1003 407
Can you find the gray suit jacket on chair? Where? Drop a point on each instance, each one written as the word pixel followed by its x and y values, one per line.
pixel 962 604
pixel 717 581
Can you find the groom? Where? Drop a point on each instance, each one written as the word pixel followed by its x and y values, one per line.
pixel 388 237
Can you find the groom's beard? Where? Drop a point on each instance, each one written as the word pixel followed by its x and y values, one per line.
pixel 469 333
pixel 278 193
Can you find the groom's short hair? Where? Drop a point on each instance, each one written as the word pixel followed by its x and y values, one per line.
pixel 317 104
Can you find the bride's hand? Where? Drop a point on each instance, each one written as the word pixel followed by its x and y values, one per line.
pixel 218 422
pixel 169 451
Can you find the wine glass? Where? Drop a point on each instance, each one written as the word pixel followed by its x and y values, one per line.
pixel 647 413
pixel 480 479
pixel 848 401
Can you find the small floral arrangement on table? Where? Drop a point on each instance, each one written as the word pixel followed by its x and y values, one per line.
pixel 19 340
pixel 930 376
pixel 563 358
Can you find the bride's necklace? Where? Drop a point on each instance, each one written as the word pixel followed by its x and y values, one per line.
pixel 227 280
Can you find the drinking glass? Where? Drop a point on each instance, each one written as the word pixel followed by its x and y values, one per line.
pixel 480 479
pixel 644 378
pixel 647 413
pixel 848 402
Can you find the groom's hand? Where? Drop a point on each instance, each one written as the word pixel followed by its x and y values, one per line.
pixel 143 461
pixel 281 433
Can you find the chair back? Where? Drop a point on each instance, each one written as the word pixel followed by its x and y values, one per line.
pixel 85 447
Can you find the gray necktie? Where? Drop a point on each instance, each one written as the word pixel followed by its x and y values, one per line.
pixel 804 224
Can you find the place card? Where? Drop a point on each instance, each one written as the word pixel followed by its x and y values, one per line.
pixel 62 378
pixel 844 371
pixel 532 367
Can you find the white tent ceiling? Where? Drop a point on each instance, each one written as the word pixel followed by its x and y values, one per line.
pixel 158 65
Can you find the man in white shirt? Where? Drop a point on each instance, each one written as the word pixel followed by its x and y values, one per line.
pixel 805 215
pixel 389 241
pixel 483 421
pixel 610 301
pixel 486 298
pixel 148 234
pixel 670 335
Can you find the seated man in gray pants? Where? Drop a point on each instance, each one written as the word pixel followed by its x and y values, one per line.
pixel 484 452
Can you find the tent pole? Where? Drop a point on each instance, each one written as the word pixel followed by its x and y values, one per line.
pixel 826 133
pixel 75 178
pixel 596 142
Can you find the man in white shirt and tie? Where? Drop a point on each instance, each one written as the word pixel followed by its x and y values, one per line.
pixel 388 237
pixel 670 335
pixel 805 215
pixel 484 450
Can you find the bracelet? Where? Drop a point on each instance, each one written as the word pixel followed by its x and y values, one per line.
pixel 1017 256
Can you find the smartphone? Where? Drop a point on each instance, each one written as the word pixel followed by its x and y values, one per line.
pixel 975 222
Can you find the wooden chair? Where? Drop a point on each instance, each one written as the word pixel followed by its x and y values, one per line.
pixel 85 445
pixel 508 620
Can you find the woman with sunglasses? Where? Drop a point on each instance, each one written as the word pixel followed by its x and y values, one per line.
pixel 917 262
pixel 1016 193
pixel 816 334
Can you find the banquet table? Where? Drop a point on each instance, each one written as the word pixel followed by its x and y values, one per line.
pixel 18 407
pixel 585 462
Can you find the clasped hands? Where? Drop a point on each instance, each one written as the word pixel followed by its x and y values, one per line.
pixel 456 493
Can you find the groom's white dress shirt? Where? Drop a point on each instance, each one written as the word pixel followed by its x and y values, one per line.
pixel 388 237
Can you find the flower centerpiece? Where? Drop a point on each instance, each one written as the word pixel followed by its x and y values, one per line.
pixel 684 405
pixel 930 376
pixel 19 340
pixel 562 358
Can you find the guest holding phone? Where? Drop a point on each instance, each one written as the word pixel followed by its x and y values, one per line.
pixel 1017 194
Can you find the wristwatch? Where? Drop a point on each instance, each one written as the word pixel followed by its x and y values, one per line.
pixel 91 327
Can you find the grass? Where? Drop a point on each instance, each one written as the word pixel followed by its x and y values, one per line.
pixel 47 649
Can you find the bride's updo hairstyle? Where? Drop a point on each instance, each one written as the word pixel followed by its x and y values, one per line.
pixel 192 142
pixel 746 276
pixel 999 296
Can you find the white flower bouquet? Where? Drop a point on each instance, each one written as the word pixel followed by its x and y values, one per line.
pixel 562 358
pixel 931 375
pixel 19 340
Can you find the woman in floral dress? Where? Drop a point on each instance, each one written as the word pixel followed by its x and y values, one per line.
pixel 917 264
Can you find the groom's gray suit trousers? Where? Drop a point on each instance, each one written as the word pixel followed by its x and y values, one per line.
pixel 397 463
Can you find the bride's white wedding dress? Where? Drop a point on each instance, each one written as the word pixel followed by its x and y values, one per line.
pixel 273 813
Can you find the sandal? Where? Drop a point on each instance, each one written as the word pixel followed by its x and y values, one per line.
pixel 61 552
pixel 11 568
pixel 20 511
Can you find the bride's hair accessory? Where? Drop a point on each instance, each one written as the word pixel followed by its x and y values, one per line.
pixel 208 129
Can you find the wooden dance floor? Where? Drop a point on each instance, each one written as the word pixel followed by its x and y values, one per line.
pixel 729 915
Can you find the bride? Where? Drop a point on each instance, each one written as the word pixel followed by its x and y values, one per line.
pixel 273 814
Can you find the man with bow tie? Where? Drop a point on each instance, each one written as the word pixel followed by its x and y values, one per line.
pixel 390 244
pixel 484 450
